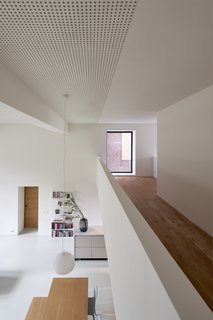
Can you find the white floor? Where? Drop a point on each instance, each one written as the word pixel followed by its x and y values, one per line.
pixel 26 271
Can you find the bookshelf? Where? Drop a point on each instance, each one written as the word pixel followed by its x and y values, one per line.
pixel 60 228
pixel 62 225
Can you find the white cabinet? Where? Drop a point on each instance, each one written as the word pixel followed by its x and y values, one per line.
pixel 83 241
pixel 83 253
pixel 90 245
pixel 98 241
pixel 99 253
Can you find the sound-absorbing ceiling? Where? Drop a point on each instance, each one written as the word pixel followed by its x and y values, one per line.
pixel 65 46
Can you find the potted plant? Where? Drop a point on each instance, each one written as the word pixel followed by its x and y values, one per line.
pixel 77 213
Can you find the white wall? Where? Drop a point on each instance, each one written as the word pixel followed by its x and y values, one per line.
pixel 185 157
pixel 25 100
pixel 20 209
pixel 81 170
pixel 30 156
pixel 84 143
pixel 147 283
pixel 33 156
pixel 155 167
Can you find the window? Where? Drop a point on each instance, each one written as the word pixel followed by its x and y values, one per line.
pixel 119 151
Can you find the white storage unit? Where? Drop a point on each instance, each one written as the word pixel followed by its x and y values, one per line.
pixel 90 245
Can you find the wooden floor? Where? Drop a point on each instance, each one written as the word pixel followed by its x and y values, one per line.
pixel 189 246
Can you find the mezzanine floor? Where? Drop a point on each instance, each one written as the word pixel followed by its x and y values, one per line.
pixel 190 247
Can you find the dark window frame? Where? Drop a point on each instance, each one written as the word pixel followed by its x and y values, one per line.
pixel 122 131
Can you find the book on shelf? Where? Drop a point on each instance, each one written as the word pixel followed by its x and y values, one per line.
pixel 68 225
pixel 62 233
pixel 61 194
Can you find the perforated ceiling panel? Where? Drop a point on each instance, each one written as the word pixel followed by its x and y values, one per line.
pixel 61 47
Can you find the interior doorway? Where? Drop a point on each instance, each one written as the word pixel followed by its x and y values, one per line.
pixel 30 207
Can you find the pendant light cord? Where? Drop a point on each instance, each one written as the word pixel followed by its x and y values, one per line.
pixel 64 160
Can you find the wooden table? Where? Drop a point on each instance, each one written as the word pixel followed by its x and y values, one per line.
pixel 37 308
pixel 67 300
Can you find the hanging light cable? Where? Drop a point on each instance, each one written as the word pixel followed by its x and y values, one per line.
pixel 64 261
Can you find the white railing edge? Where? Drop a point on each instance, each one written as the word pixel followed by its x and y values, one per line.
pixel 180 290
